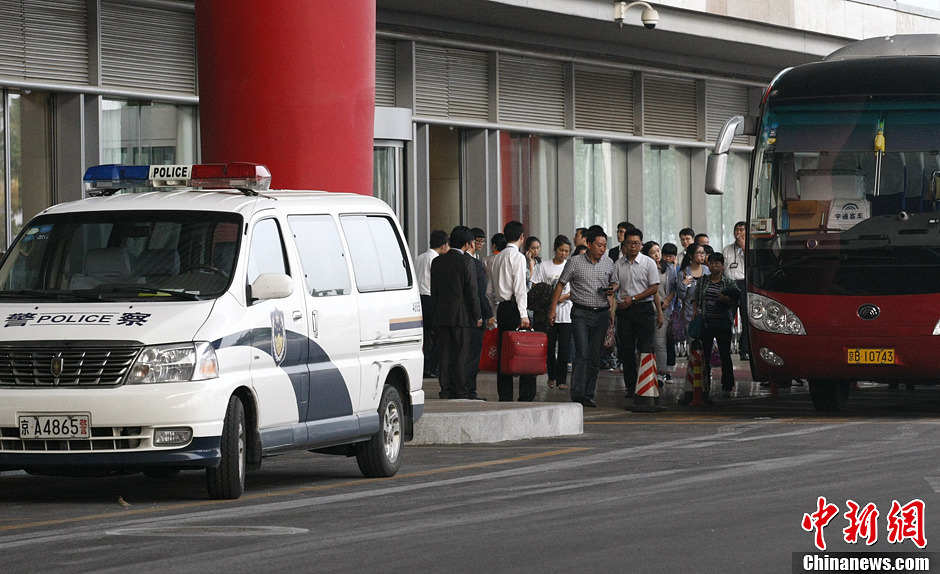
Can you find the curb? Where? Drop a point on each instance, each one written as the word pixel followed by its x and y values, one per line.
pixel 469 422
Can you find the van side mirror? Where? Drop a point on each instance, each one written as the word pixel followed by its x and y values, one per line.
pixel 716 166
pixel 271 286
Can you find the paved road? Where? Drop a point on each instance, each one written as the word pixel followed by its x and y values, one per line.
pixel 721 489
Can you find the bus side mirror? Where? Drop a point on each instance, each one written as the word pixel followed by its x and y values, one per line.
pixel 716 166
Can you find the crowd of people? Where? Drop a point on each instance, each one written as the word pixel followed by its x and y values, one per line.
pixel 599 305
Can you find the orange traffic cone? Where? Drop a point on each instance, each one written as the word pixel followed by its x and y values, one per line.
pixel 646 397
pixel 695 368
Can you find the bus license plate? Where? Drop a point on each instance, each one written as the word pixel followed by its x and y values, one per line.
pixel 871 356
pixel 55 426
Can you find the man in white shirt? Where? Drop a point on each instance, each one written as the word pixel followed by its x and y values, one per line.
pixel 438 246
pixel 638 278
pixel 734 269
pixel 507 290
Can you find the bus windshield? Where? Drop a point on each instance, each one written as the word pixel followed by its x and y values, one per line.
pixel 846 199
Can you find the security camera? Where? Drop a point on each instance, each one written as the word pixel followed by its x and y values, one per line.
pixel 650 18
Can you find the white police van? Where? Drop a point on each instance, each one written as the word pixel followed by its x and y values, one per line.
pixel 208 324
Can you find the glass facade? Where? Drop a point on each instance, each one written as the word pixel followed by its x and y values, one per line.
pixel 387 181
pixel 667 191
pixel 529 172
pixel 725 210
pixel 27 158
pixel 147 133
pixel 600 184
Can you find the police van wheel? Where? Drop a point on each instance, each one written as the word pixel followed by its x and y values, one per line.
pixel 380 456
pixel 227 481
pixel 828 395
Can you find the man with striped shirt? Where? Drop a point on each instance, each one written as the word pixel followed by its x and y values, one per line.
pixel 593 282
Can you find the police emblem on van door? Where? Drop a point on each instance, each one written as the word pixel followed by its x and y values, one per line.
pixel 278 336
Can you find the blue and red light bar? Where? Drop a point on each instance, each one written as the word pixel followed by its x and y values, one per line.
pixel 102 179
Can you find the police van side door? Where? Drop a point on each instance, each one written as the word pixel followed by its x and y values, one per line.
pixel 333 330
pixel 389 302
pixel 278 339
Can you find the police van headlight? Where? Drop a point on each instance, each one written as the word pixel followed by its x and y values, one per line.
pixel 769 315
pixel 174 364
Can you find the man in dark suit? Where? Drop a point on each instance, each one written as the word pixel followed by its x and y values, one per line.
pixel 476 336
pixel 456 312
pixel 622 228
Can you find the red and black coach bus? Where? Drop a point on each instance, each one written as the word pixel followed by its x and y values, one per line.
pixel 843 251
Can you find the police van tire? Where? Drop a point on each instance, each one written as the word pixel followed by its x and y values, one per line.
pixel 380 456
pixel 828 395
pixel 227 481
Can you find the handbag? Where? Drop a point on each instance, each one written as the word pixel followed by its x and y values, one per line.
pixel 610 339
pixel 677 323
pixel 697 327
pixel 489 356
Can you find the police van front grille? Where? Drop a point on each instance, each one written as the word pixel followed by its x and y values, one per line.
pixel 65 365
pixel 102 439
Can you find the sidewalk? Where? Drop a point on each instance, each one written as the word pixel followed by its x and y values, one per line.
pixel 552 413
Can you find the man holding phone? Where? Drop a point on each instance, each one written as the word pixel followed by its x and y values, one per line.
pixel 593 283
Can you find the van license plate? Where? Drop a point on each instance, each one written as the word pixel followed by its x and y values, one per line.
pixel 55 426
pixel 871 357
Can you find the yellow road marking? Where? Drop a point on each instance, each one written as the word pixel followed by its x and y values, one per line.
pixel 306 489
pixel 715 421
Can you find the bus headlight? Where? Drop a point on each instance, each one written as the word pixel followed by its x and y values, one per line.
pixel 769 315
pixel 174 363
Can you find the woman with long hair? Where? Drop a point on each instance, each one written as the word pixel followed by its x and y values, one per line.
pixel 692 271
pixel 559 334
pixel 666 296
pixel 532 259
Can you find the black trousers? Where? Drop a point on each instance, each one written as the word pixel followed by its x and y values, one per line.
pixel 508 319
pixel 719 332
pixel 473 358
pixel 635 326
pixel 744 344
pixel 455 348
pixel 430 347
pixel 559 335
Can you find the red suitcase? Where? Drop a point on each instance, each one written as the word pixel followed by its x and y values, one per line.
pixel 489 356
pixel 523 353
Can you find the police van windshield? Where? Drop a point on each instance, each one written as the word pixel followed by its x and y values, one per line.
pixel 120 256
pixel 846 199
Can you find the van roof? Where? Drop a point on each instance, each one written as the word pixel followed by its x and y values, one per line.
pixel 229 200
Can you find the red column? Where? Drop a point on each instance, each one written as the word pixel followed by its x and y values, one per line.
pixel 290 84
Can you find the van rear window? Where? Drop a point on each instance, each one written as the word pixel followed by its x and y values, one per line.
pixel 378 253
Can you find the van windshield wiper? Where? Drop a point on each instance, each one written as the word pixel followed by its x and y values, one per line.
pixel 49 294
pixel 150 292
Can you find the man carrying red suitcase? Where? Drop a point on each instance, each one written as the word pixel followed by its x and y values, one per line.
pixel 508 290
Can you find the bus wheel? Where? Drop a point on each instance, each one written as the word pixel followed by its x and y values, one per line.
pixel 227 481
pixel 829 395
pixel 380 456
